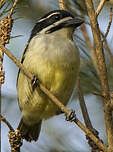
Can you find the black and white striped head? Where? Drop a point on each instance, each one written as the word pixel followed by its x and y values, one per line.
pixel 54 21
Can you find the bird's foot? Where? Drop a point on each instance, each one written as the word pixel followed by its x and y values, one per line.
pixel 71 116
pixel 34 82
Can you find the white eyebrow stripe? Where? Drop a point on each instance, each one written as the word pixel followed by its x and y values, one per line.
pixel 48 17
pixel 41 20
pixel 54 24
pixel 53 14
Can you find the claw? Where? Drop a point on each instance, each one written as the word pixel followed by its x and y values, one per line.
pixel 34 82
pixel 71 117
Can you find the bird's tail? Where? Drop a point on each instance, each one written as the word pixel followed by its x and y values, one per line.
pixel 29 133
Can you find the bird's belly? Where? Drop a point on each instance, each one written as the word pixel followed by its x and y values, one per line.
pixel 62 88
pixel 61 84
pixel 57 70
pixel 59 80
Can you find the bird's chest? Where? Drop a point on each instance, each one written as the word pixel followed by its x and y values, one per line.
pixel 52 57
pixel 57 66
pixel 54 50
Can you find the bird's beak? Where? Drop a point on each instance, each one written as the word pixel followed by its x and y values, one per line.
pixel 74 22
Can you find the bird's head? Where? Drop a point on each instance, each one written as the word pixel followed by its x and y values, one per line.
pixel 55 21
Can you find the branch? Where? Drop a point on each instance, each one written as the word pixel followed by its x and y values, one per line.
pixel 97 94
pixel 89 44
pixel 62 4
pixel 107 49
pixel 109 25
pixel 105 41
pixel 109 52
pixel 54 99
pixel 15 137
pixel 13 8
pixel 102 72
pixel 2 2
pixel 87 120
pixel 83 107
pixel 99 50
pixel 6 122
pixel 101 5
pixel 5 29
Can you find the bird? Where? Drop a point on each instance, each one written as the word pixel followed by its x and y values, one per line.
pixel 52 57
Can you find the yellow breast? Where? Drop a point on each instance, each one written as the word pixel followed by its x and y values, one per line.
pixel 56 67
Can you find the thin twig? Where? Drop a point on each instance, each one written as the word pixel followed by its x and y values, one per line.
pixel 15 137
pixel 99 49
pixel 109 25
pixel 4 36
pixel 90 46
pixel 62 4
pixel 2 2
pixel 6 122
pixel 83 107
pixel 108 49
pixel 102 72
pixel 54 99
pixel 5 29
pixel 109 52
pixel 91 136
pixel 100 6
pixel 13 8
pixel 97 94
pixel 87 120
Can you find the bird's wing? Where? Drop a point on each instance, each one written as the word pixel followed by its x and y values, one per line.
pixel 22 59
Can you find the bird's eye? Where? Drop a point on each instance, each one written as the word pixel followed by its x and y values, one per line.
pixel 57 17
